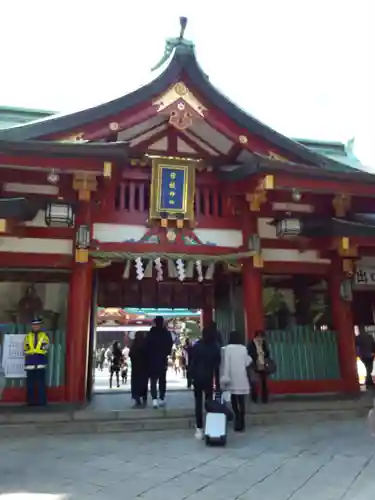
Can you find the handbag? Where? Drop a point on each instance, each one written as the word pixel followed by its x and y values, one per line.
pixel 252 374
pixel 270 366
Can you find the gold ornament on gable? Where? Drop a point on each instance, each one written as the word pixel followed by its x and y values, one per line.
pixel 182 107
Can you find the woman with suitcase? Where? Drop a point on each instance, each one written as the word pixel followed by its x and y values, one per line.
pixel 203 370
pixel 235 377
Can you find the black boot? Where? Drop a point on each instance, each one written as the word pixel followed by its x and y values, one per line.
pixel 237 423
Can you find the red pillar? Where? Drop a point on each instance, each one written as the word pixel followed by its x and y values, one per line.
pixel 78 315
pixel 79 304
pixel 206 316
pixel 252 287
pixel 342 320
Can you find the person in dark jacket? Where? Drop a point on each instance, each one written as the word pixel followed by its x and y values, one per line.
pixel 215 332
pixel 259 353
pixel 116 363
pixel 365 345
pixel 188 347
pixel 204 368
pixel 159 345
pixel 139 378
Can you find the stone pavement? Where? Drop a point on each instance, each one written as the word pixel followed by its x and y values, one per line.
pixel 325 461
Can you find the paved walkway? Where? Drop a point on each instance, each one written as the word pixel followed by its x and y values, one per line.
pixel 333 461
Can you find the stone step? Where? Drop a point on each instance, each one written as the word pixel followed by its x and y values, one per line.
pixel 55 421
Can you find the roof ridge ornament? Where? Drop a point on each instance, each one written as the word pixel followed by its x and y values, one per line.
pixel 172 43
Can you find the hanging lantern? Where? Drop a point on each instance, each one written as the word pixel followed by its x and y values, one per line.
pixel 59 215
pixel 288 227
pixel 83 236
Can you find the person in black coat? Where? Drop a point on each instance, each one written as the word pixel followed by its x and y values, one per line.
pixel 116 363
pixel 259 352
pixel 159 345
pixel 203 370
pixel 139 378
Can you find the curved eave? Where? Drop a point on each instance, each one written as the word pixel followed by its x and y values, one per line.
pixel 260 166
pixel 183 62
pixel 108 151
pixel 65 123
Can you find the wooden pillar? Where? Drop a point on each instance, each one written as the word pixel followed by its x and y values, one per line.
pixel 79 304
pixel 206 316
pixel 252 284
pixel 342 320
pixel 252 298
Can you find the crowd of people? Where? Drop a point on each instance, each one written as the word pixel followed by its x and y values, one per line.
pixel 209 368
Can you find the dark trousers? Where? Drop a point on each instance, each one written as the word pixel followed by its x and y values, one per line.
pixel 36 387
pixel 369 365
pixel 158 379
pixel 199 391
pixel 263 388
pixel 238 406
pixel 139 383
pixel 116 370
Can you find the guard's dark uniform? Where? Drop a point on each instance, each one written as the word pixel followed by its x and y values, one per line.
pixel 36 359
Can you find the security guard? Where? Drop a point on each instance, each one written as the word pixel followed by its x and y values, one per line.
pixel 36 358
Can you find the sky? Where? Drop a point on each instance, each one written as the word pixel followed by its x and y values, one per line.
pixel 304 68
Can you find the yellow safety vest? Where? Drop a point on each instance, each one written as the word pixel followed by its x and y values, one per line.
pixel 36 343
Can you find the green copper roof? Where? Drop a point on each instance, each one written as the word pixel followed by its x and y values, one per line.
pixel 11 116
pixel 338 151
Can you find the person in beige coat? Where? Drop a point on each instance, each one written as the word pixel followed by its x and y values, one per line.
pixel 234 377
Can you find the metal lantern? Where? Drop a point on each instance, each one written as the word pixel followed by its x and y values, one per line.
pixel 288 227
pixel 83 236
pixel 59 215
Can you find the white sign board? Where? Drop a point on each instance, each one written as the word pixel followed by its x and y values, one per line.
pixel 364 277
pixel 13 356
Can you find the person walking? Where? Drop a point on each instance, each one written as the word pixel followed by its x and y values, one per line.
pixel 159 345
pixel 115 364
pixel 259 353
pixel 139 379
pixel 101 358
pixel 235 378
pixel 35 349
pixel 203 370
pixel 187 357
pixel 216 333
pixel 365 345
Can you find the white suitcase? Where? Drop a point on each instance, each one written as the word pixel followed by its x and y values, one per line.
pixel 215 431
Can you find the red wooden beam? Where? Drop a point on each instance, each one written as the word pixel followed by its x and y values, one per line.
pixel 42 260
pixel 203 141
pixel 139 134
pixel 172 145
pixel 197 148
pixel 53 233
pixel 164 248
pixel 282 267
pixel 144 145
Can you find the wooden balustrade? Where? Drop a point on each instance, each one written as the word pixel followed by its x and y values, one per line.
pixel 132 202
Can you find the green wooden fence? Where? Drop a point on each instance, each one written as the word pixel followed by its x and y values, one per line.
pixel 302 353
pixel 56 357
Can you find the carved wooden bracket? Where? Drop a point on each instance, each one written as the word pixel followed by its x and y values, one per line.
pixel 85 184
pixel 341 204
pixel 259 196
